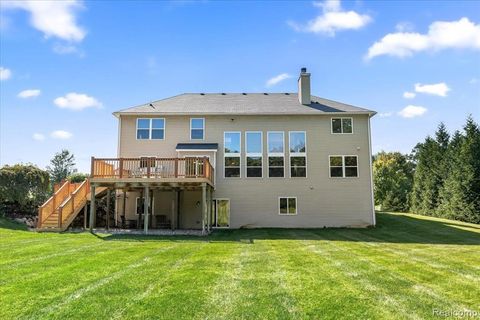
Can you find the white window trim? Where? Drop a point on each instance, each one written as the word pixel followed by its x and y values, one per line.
pixel 253 154
pixel 216 211
pixel 203 128
pixel 341 125
pixel 150 129
pixel 276 154
pixel 297 154
pixel 239 155
pixel 153 206
pixel 288 214
pixel 343 166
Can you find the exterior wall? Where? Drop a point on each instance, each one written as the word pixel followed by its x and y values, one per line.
pixel 321 200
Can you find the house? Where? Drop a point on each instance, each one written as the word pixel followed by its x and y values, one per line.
pixel 235 160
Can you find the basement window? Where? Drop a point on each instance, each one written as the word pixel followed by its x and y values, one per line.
pixel 287 205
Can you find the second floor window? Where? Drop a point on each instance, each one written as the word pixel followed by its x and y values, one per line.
pixel 231 153
pixel 342 125
pixel 276 154
pixel 343 166
pixel 150 128
pixel 197 128
pixel 253 146
pixel 298 154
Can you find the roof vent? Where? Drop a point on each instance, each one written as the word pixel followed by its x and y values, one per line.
pixel 265 93
pixel 244 93
pixel 202 94
pixel 303 69
pixel 287 94
pixel 223 93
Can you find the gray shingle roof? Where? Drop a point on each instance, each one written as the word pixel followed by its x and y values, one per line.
pixel 239 104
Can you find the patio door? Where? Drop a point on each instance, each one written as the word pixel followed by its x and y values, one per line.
pixel 221 209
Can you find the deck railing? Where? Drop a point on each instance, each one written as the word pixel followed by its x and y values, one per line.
pixel 152 167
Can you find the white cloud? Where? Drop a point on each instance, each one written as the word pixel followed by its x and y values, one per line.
pixel 385 114
pixel 77 101
pixel 5 73
pixel 38 137
pixel 412 111
pixel 30 93
pixel 53 18
pixel 277 79
pixel 438 89
pixel 333 19
pixel 461 34
pixel 61 134
pixel 404 26
pixel 473 81
pixel 409 95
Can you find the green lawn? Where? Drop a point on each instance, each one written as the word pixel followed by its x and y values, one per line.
pixel 403 269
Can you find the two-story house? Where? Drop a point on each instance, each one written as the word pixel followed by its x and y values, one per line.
pixel 233 160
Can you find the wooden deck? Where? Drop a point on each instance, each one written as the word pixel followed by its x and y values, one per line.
pixel 154 171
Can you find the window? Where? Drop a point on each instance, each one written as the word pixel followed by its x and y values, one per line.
pixel 197 128
pixel 298 154
pixel 254 150
pixel 150 128
pixel 139 204
pixel 231 152
pixel 343 166
pixel 342 125
pixel 287 205
pixel 276 154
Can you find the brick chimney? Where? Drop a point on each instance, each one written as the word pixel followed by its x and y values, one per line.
pixel 304 87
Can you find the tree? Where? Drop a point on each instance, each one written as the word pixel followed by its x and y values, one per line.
pixel 460 195
pixel 22 188
pixel 393 180
pixel 63 165
pixel 431 171
pixel 77 177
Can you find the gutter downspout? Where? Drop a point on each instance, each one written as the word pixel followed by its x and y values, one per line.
pixel 371 168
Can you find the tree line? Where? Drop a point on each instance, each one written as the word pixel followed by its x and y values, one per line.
pixel 24 187
pixel 441 177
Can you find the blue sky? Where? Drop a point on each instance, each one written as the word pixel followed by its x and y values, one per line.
pixel 66 66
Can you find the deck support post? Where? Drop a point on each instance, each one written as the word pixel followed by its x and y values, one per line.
pixel 139 217
pixel 204 206
pixel 85 209
pixel 107 222
pixel 124 207
pixel 174 208
pixel 146 203
pixel 93 210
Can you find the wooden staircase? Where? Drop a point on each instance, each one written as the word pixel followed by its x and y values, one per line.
pixel 58 212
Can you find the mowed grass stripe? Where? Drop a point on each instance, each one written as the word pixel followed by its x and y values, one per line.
pixel 55 284
pixel 330 293
pixel 185 288
pixel 404 289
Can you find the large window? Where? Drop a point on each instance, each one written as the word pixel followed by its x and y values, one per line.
pixel 287 205
pixel 254 153
pixel 231 151
pixel 298 154
pixel 276 154
pixel 342 125
pixel 343 166
pixel 150 128
pixel 197 128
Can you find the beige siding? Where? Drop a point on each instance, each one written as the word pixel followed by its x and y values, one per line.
pixel 322 201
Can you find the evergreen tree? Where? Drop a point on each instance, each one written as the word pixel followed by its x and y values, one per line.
pixel 460 195
pixel 63 165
